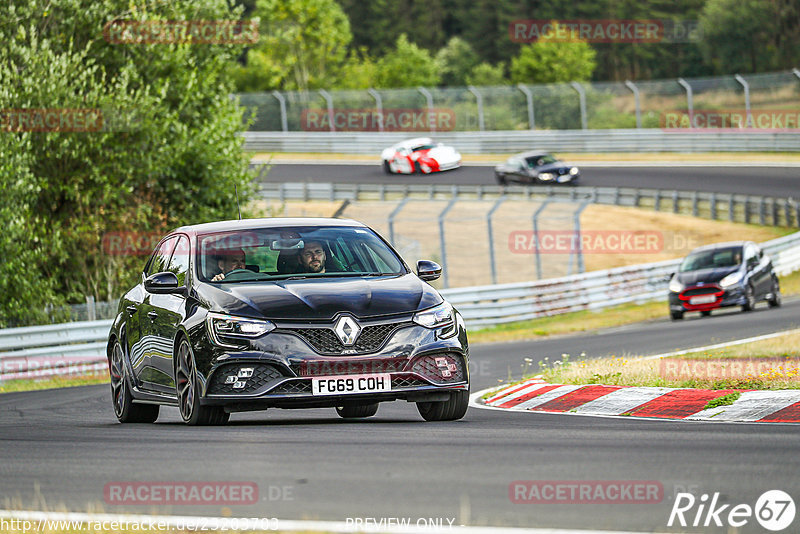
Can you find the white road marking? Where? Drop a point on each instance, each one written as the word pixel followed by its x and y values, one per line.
pixel 751 406
pixel 546 397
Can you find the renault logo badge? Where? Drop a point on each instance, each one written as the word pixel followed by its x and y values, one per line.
pixel 347 330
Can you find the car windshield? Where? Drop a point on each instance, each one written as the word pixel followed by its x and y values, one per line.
pixel 538 161
pixel 259 254
pixel 712 259
pixel 422 147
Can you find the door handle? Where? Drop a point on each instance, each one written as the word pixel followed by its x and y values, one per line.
pixel 131 310
pixel 152 315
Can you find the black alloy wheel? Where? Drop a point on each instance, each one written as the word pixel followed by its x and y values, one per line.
pixel 192 412
pixel 124 408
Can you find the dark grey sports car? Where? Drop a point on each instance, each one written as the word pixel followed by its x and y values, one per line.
pixel 286 313
pixel 723 275
pixel 536 167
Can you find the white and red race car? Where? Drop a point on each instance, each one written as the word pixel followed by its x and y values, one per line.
pixel 419 155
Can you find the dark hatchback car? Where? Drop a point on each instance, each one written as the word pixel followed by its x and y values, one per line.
pixel 287 313
pixel 536 167
pixel 722 275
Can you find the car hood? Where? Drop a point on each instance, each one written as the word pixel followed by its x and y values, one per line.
pixel 322 298
pixel 439 153
pixel 554 167
pixel 705 275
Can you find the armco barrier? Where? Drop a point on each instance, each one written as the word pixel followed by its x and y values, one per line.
pixel 40 351
pixel 509 141
pixel 717 206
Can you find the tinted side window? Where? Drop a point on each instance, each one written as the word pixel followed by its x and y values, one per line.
pixel 179 263
pixel 160 260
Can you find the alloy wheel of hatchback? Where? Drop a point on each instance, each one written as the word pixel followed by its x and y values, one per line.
pixel 749 299
pixel 775 296
pixel 192 412
pixel 121 396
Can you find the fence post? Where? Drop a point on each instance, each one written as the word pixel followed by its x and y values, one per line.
pixel 787 212
pixel 747 209
pixel 536 237
pixel 731 208
pixel 675 202
pixel 743 82
pixel 694 204
pixel 91 311
pixel 378 106
pixel 762 211
pixel 689 100
pixel 329 100
pixel 479 99
pixel 576 221
pixel 657 200
pixel 582 95
pixel 630 85
pixel 442 243
pixel 712 206
pixel 491 236
pixel 282 102
pixel 391 218
pixel 529 99
pixel 431 117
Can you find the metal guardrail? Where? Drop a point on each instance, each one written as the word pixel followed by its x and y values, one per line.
pixel 502 142
pixel 70 348
pixel 505 303
pixel 716 206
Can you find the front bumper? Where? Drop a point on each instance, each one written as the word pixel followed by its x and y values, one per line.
pixel 277 370
pixel 723 298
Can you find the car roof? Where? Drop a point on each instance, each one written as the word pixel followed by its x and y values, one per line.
pixel 532 153
pixel 727 244
pixel 271 222
pixel 408 143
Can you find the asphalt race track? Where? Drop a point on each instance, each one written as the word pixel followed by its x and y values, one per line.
pixel 751 180
pixel 312 465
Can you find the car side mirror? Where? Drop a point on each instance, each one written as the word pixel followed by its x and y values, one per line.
pixel 668 277
pixel 428 270
pixel 162 283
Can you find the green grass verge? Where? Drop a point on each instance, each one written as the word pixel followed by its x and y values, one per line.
pixel 52 383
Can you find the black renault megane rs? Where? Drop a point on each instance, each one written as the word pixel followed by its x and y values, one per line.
pixel 286 313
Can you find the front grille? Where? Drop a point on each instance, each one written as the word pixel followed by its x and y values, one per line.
pixel 232 379
pixel 703 290
pixel 342 366
pixel 325 340
pixel 402 382
pixel 295 386
pixel 440 368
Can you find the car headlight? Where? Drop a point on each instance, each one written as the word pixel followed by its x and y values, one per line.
pixel 224 327
pixel 573 171
pixel 545 175
pixel 731 279
pixel 675 286
pixel 439 316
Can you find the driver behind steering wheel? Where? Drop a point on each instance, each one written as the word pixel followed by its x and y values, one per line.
pixel 229 260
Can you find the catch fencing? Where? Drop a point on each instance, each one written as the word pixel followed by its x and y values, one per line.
pixel 705 102
pixel 75 348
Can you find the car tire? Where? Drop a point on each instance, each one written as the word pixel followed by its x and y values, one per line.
pixel 187 389
pixel 386 167
pixel 417 168
pixel 676 316
pixel 501 179
pixel 357 412
pixel 121 397
pixel 449 410
pixel 749 299
pixel 775 295
pixel 705 313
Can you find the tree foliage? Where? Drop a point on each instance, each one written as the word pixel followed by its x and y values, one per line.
pixel 166 152
pixel 407 65
pixel 549 60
